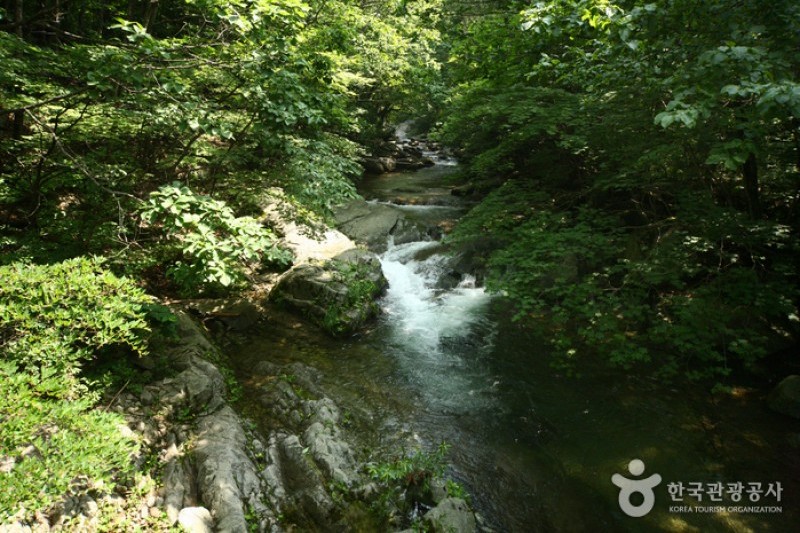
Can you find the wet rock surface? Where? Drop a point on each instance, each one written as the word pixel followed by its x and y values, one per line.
pixel 338 295
pixel 399 155
pixel 303 468
pixel 333 283
pixel 451 514
pixel 209 462
pixel 315 460
pixel 372 223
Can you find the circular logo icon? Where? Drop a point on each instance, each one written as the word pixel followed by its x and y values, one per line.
pixel 628 487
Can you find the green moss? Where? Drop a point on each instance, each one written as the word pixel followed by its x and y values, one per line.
pixel 344 317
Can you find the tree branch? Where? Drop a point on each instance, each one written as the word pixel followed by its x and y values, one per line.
pixel 29 107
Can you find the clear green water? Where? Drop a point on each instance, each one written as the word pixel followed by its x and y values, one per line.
pixel 534 448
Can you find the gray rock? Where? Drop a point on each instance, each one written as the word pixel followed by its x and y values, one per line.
pixel 308 241
pixel 273 474
pixel 310 290
pixel 785 397
pixel 177 481
pixel 438 490
pixel 192 339
pixel 331 452
pixel 410 163
pixel 377 165
pixel 372 224
pixel 451 515
pixel 196 520
pixel 226 477
pixel 200 384
pixel 367 264
pixel 338 295
pixel 389 164
pixel 303 481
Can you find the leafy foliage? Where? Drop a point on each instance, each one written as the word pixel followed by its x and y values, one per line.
pixel 214 246
pixel 55 317
pixel 648 161
pixel 413 469
pixel 230 98
pixel 405 481
pixel 54 444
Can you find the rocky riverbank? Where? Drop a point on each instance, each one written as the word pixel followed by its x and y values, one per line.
pixel 400 154
pixel 205 467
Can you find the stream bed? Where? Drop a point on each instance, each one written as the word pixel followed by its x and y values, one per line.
pixel 535 449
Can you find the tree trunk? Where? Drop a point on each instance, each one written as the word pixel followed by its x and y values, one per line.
pixel 57 31
pixel 132 9
pixel 18 17
pixel 150 15
pixel 19 116
pixel 750 175
pixel 796 124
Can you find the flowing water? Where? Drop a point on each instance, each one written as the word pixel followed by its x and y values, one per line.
pixel 535 449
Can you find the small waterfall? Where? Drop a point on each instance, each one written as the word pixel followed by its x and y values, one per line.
pixel 401 131
pixel 439 336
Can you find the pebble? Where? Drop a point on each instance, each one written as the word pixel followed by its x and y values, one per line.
pixel 88 506
pixel 146 397
pixel 196 519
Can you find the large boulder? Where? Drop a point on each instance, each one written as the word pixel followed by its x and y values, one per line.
pixel 308 460
pixel 378 165
pixel 220 473
pixel 338 295
pixel 237 314
pixel 372 224
pixel 196 520
pixel 410 163
pixel 227 479
pixel 785 397
pixel 452 514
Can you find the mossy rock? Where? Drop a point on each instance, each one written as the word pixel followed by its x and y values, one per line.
pixel 338 295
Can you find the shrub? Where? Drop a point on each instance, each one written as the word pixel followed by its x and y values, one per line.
pixel 51 445
pixel 55 317
pixel 214 246
pixel 698 294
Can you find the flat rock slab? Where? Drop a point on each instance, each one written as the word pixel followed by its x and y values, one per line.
pixel 309 242
pixel 372 224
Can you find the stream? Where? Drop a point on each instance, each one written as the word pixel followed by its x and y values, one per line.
pixel 535 449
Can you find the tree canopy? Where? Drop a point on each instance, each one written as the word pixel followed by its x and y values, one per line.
pixel 647 162
pixel 640 160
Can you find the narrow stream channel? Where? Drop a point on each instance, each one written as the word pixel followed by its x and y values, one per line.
pixel 535 449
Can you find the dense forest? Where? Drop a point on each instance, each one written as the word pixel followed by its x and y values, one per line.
pixel 635 168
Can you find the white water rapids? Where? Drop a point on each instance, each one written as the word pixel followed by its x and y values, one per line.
pixel 439 336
